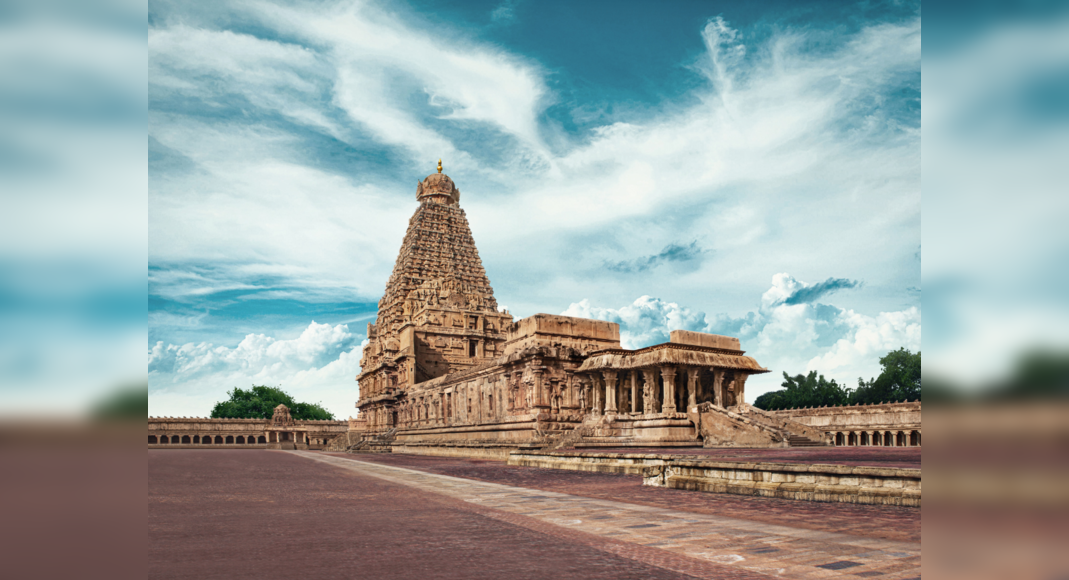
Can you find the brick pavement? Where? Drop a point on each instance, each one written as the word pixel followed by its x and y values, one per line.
pixel 698 544
pixel 877 522
pixel 272 514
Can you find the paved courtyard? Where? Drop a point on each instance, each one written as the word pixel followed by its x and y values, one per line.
pixel 271 514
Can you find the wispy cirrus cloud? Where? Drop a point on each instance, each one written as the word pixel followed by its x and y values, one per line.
pixel 671 253
pixel 813 292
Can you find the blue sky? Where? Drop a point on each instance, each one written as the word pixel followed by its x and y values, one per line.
pixel 750 169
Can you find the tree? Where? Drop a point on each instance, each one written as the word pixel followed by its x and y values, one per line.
pixel 900 380
pixel 803 391
pixel 260 401
pixel 123 404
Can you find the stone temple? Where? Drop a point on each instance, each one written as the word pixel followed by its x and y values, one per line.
pixel 444 369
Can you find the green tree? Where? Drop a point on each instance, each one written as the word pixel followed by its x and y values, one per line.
pixel 1039 374
pixel 810 390
pixel 260 401
pixel 123 404
pixel 900 380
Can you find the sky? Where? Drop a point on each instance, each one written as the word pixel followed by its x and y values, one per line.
pixel 750 169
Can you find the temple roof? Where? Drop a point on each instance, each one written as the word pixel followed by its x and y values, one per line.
pixel 670 354
pixel 438 254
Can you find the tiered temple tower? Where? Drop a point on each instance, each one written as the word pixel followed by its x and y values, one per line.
pixel 438 315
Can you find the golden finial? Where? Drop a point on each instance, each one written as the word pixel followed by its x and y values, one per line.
pixel 439 166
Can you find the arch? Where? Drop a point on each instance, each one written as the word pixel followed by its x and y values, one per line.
pixel 185 439
pixel 218 440
pixel 240 440
pixel 887 439
pixel 230 439
pixel 152 440
pixel 865 438
pixel 838 439
pixel 205 439
pixel 164 439
pixel 852 439
pixel 915 438
pixel 261 439
pixel 900 439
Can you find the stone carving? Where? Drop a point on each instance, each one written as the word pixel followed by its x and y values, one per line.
pixel 282 417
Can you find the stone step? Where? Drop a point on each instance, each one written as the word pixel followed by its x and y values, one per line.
pixel 796 441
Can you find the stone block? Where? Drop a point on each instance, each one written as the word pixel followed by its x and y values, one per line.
pixel 704 339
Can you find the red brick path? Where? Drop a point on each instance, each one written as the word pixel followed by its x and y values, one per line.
pixel 263 514
pixel 882 522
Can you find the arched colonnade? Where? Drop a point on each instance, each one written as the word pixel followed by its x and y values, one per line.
pixel 877 438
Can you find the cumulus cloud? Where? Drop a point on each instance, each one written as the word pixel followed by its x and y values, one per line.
pixel 319 365
pixel 646 321
pixel 793 337
pixel 869 338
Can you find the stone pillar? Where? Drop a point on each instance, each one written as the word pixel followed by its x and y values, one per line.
pixel 596 389
pixel 610 390
pixel 649 391
pixel 668 402
pixel 568 389
pixel 693 375
pixel 634 391
pixel 740 388
pixel 540 399
pixel 718 387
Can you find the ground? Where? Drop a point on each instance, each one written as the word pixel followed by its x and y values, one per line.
pixel 273 514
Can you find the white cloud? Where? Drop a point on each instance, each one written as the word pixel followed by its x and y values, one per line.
pixel 380 58
pixel 320 365
pixel 646 321
pixel 870 338
pixel 272 75
pixel 769 149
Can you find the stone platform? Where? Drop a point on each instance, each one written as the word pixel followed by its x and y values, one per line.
pixel 821 482
pixel 904 457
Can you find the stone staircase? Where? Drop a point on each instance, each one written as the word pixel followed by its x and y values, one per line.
pixel 374 443
pixel 748 426
pixel 569 439
pixel 796 434
pixel 797 441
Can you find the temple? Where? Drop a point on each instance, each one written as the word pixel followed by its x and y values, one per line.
pixel 445 371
